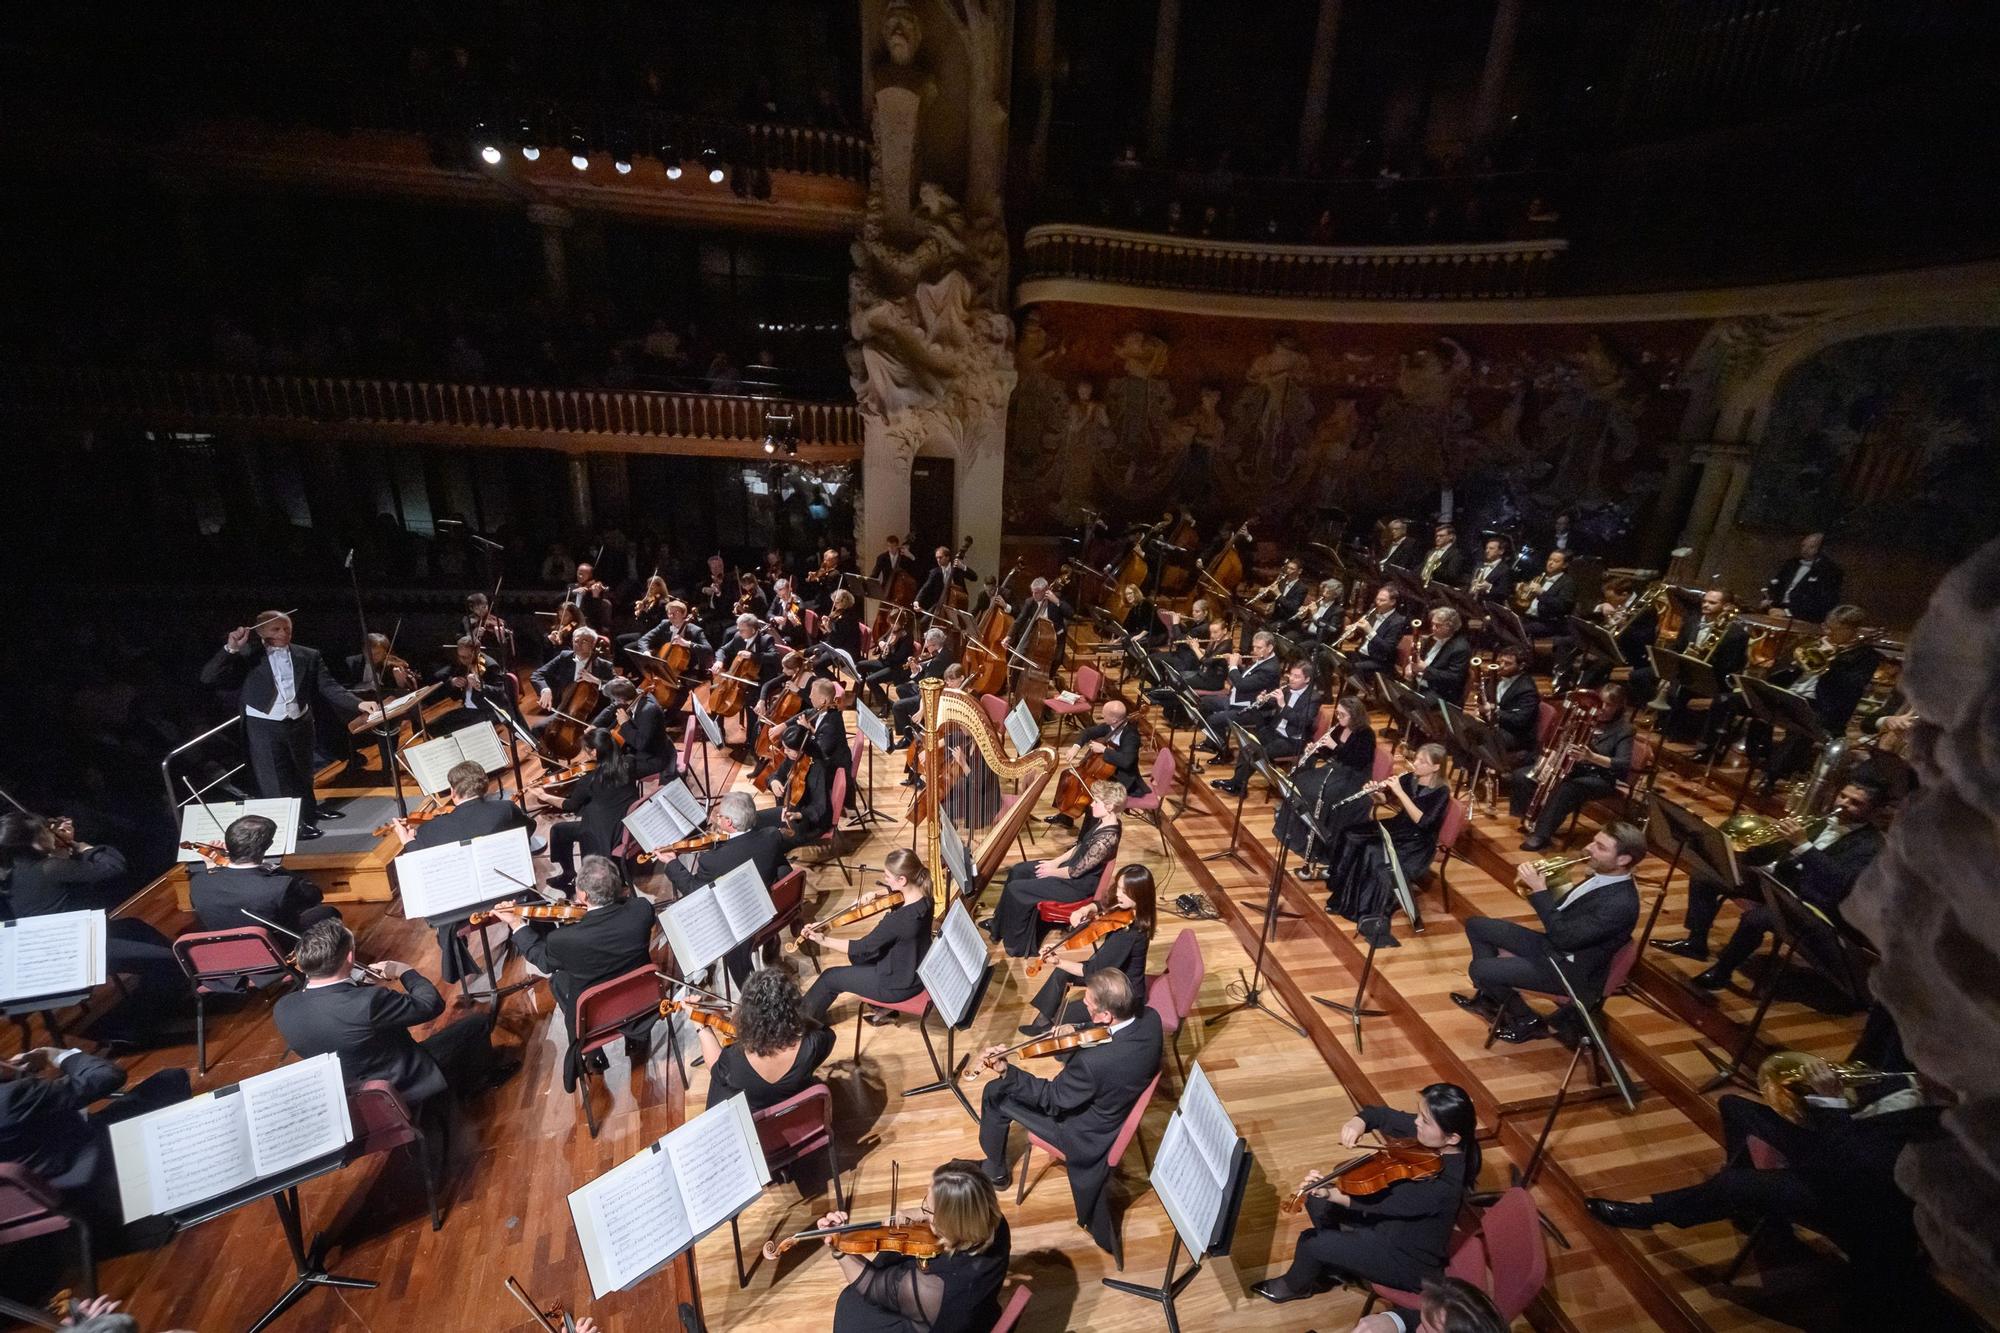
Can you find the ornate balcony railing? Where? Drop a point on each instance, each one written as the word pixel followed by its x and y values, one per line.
pixel 1509 269
pixel 410 409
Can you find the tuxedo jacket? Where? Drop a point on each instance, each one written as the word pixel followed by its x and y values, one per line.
pixel 885 568
pixel 1445 676
pixel 249 673
pixel 1121 753
pixel 1499 582
pixel 1298 716
pixel 1818 592
pixel 1097 1088
pixel 1289 601
pixel 559 672
pixel 1590 932
pixel 1556 602
pixel 1825 877
pixel 1380 647
pixel 1729 655
pixel 368 1027
pixel 932 591
pixel 842 632
pixel 762 846
pixel 470 819
pixel 1252 679
pixel 762 647
pixel 646 733
pixel 222 894
pixel 1841 686
pixel 1453 567
pixel 608 942
pixel 1405 554
pixel 691 634
pixel 493 682
pixel 43 1125
pixel 1518 712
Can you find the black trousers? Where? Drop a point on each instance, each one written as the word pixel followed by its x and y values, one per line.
pixel 1571 794
pixel 1275 747
pixel 1017 925
pixel 862 979
pixel 1705 897
pixel 1049 999
pixel 1339 1244
pixel 1506 959
pixel 1001 1108
pixel 571 839
pixel 281 761
pixel 463 1050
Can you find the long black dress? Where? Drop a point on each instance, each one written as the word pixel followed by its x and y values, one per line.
pixel 1324 781
pixel 1362 883
pixel 1016 921
pixel 953 1293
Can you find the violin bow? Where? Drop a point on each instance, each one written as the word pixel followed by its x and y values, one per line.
pixel 555 1319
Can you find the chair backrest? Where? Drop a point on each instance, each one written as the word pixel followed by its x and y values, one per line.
pixel 1763 1156
pixel 1456 816
pixel 811 619
pixel 1385 762
pixel 1185 970
pixel 1017 1303
pixel 800 1124
pixel 609 1005
pixel 28 1205
pixel 380 1119
pixel 1088 682
pixel 1128 1130
pixel 839 799
pixel 1518 1264
pixel 1322 721
pixel 1642 756
pixel 1160 999
pixel 867 638
pixel 1105 877
pixel 212 957
pixel 690 735
pixel 788 901
pixel 1545 724
pixel 1621 967
pixel 996 708
pixel 1164 765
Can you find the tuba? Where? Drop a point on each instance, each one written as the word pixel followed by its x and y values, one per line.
pixel 1784 1079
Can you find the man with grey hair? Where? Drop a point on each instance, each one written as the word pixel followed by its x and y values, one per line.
pixel 584 656
pixel 1446 657
pixel 932 663
pixel 735 817
pixel 1248 680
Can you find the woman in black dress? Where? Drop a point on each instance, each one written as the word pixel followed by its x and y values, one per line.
pixel 777 1050
pixel 1402 1236
pixel 958 1291
pixel 1069 878
pixel 842 627
pixel 1362 883
pixel 601 797
pixel 647 612
pixel 1332 769
pixel 882 965
pixel 1123 950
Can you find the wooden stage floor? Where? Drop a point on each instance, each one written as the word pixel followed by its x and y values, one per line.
pixel 518 1151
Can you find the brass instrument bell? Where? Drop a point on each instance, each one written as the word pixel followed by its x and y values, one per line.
pixel 1785 1079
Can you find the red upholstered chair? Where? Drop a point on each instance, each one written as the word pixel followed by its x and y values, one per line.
pixel 602 1012
pixel 831 838
pixel 788 903
pixel 1456 816
pixel 1503 1257
pixel 1615 978
pixel 867 638
pixel 691 736
pixel 996 709
pixel 30 1207
pixel 1545 725
pixel 1058 913
pixel 1127 1133
pixel 789 1132
pixel 1088 684
pixel 227 962
pixel 811 618
pixel 383 1124
pixel 1171 993
pixel 1161 781
pixel 918 1004
pixel 1385 763
pixel 1010 1314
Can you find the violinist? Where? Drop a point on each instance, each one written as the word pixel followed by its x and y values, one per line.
pixel 1082 1109
pixel 930 663
pixel 589 595
pixel 221 895
pixel 474 814
pixel 776 566
pixel 585 656
pixel 614 937
pixel 569 619
pixel 958 1291
pixel 639 725
pixel 1401 1236
pixel 881 965
pixel 368 1025
pixel 648 613
pixel 479 686
pixel 948 570
pixel 1282 719
pixel 1373 640
pixel 788 615
pixel 1123 950
pixel 1069 878
pixel 379 673
pixel 676 626
pixel 750 597
pixel 778 1049
pixel 276 681
pixel 1446 659
pixel 484 628
pixel 842 626
pixel 888 662
pixel 599 799
pixel 822 580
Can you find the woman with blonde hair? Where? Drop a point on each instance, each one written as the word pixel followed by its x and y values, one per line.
pixel 956 1292
pixel 1069 878
pixel 881 965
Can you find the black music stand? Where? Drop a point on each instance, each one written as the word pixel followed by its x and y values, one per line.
pixel 1408 586
pixel 1692 676
pixel 1223 1241
pixel 1594 641
pixel 951 1067
pixel 1774 706
pixel 388 727
pixel 1485 744
pixel 1253 750
pixel 1708 851
pixel 1253 990
pixel 1507 627
pixel 1202 727
pixel 458 917
pixel 1355 1011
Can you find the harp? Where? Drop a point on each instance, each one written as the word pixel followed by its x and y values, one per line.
pixel 944 710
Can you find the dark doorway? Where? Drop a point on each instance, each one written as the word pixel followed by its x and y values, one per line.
pixel 932 513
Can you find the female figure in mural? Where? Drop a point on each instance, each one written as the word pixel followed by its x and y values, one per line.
pixel 1419 427
pixel 1086 434
pixel 1140 406
pixel 1197 437
pixel 1271 419
pixel 1592 420
pixel 1036 417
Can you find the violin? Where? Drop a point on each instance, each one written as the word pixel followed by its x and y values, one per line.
pixel 873 905
pixel 423 814
pixel 915 1239
pixel 1371 1173
pixel 1055 1044
pixel 709 1015
pixel 693 843
pixel 561 913
pixel 214 853
pixel 1085 935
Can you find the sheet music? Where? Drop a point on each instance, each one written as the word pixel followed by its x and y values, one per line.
pixel 1209 1122
pixel 697 930
pixel 721 1163
pixel 960 936
pixel 870 727
pixel 431 761
pixel 709 726
pixel 440 880
pixel 744 900
pixel 295 1113
pixel 952 966
pixel 51 955
pixel 1023 729
pixel 630 1220
pixel 198 826
pixel 481 744
pixel 181 1155
pixel 957 860
pixel 1186 1186
pixel 654 824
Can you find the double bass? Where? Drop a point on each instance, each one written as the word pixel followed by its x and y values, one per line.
pixel 1039 644
pixel 985 654
pixel 1177 575
pixel 1225 567
pixel 897 595
pixel 955 595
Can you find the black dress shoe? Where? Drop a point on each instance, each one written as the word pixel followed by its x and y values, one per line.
pixel 307 833
pixel 1034 1029
pixel 1535 845
pixel 1060 821
pixel 1618 1213
pixel 1713 978
pixel 327 812
pixel 999 1181
pixel 1530 1029
pixel 1476 1004
pixel 879 1018
pixel 1228 785
pixel 1687 948
pixel 1275 1291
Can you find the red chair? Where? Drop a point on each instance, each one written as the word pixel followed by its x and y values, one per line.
pixel 227 962
pixel 789 1132
pixel 30 1207
pixel 867 638
pixel 383 1124
pixel 1127 1133
pixel 788 899
pixel 1456 816
pixel 1088 684
pixel 918 1004
pixel 1171 994
pixel 1385 763
pixel 691 736
pixel 1615 978
pixel 996 709
pixel 1017 1304
pixel 1545 725
pixel 1058 913
pixel 831 838
pixel 602 1012
pixel 1503 1257
pixel 811 618
pixel 1160 781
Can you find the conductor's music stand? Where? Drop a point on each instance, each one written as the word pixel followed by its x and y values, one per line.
pixel 388 727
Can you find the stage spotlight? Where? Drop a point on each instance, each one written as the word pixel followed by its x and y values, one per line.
pixel 532 153
pixel 711 162
pixel 488 142
pixel 770 443
pixel 489 155
pixel 673 171
pixel 526 134
pixel 621 166
pixel 621 153
pixel 579 155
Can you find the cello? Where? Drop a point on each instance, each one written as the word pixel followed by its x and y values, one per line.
pixel 985 654
pixel 725 692
pixel 562 738
pixel 1073 785
pixel 770 746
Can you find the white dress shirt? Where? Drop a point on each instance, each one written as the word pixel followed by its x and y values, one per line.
pixel 285 706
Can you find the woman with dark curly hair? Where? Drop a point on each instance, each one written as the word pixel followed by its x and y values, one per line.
pixel 777 1050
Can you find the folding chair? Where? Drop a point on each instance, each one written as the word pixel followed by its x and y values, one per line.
pixel 1127 1134
pixel 227 962
pixel 789 1132
pixel 602 1012
pixel 382 1124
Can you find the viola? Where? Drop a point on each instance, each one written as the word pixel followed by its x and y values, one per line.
pixel 915 1239
pixel 873 905
pixel 1073 1040
pixel 1085 935
pixel 1371 1173
pixel 214 853
pixel 710 1016
pixel 693 843
pixel 561 913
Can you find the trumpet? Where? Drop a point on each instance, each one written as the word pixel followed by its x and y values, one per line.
pixel 1555 873
pixel 1785 1078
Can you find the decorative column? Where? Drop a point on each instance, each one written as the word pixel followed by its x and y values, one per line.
pixel 1725 473
pixel 1499 61
pixel 553 222
pixel 1319 85
pixel 1160 107
pixel 576 473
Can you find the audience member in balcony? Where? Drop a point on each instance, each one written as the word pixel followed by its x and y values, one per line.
pixel 1323 230
pixel 663 345
pixel 619 374
pixel 826 112
pixel 723 376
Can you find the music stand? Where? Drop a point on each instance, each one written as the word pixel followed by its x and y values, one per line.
pixel 388 727
pixel 1253 750
pixel 1691 675
pixel 1704 844
pixel 1355 1011
pixel 1171 1285
pixel 1507 626
pixel 951 1067
pixel 1774 706
pixel 1486 744
pixel 1202 727
pixel 1253 991
pixel 1408 586
pixel 1595 642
